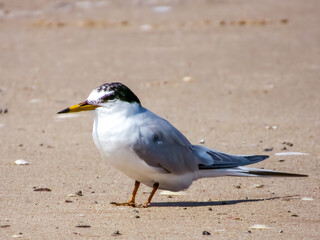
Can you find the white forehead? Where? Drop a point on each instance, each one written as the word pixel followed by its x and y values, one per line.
pixel 95 95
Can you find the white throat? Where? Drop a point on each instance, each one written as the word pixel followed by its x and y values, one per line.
pixel 117 108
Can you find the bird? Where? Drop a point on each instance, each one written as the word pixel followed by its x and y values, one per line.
pixel 149 150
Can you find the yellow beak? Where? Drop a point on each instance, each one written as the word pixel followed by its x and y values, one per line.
pixel 84 106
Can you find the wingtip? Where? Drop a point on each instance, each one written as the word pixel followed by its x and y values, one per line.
pixel 269 173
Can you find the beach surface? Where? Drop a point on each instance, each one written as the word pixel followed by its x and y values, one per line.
pixel 242 77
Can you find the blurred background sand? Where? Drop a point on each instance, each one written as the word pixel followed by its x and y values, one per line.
pixel 241 75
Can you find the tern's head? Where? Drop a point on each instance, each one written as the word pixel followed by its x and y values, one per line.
pixel 104 96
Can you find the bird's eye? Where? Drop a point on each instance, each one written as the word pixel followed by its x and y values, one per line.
pixel 108 97
pixel 111 97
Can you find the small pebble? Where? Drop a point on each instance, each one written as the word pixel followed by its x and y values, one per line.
pixel 21 162
pixel 79 193
pixel 202 141
pixel 258 186
pixel 135 211
pixel 280 231
pixel 268 149
pixel 294 215
pixel 71 195
pixel 209 209
pixel 281 160
pixel 206 233
pixel 188 79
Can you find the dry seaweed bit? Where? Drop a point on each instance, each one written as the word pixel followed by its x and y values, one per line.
pixel 83 226
pixel 116 233
pixel 42 189
pixel 288 144
pixel 4 226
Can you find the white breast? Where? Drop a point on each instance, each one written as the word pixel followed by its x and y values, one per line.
pixel 114 132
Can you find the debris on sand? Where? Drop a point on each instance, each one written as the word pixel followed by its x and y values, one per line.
pixel 77 194
pixel 268 149
pixel 162 9
pixel 83 226
pixel 169 193
pixel 3 110
pixel 261 227
pixel 4 226
pixel 20 235
pixel 146 27
pixel 291 154
pixel 188 79
pixel 21 162
pixel 307 199
pixel 42 189
pixel 206 233
pixel 288 144
pixel 274 127
pixel 116 233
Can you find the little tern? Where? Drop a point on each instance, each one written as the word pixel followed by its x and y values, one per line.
pixel 148 149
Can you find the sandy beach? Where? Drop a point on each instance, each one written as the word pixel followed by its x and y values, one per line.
pixel 242 77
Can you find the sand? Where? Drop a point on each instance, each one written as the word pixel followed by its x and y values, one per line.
pixel 243 76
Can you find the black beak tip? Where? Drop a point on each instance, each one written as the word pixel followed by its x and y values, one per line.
pixel 64 111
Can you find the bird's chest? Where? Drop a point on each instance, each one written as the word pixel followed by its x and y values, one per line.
pixel 113 135
pixel 114 139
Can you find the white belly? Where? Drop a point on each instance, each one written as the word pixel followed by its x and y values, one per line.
pixel 114 139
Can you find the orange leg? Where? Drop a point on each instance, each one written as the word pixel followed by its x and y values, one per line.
pixel 132 202
pixel 155 187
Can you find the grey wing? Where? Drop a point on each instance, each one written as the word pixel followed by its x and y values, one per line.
pixel 211 159
pixel 162 146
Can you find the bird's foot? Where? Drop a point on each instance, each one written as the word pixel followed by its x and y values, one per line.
pixel 130 204
pixel 146 205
